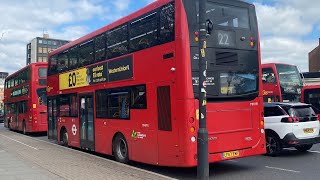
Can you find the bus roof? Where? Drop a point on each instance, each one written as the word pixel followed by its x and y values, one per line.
pixel 32 64
pixel 277 63
pixel 123 20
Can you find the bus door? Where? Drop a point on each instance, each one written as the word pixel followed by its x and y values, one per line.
pixel 16 116
pixel 86 121
pixel 52 118
pixel 168 146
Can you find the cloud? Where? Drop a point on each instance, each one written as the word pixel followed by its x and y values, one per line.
pixel 286 28
pixel 23 21
pixel 121 5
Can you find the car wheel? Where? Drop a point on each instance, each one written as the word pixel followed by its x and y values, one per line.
pixel 273 145
pixel 304 148
pixel 120 149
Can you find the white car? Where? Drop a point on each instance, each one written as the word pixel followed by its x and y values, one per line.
pixel 290 125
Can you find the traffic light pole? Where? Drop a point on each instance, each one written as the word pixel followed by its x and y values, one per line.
pixel 203 161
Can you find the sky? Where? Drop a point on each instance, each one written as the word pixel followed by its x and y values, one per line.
pixel 289 29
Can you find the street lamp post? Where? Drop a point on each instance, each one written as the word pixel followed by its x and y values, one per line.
pixel 203 162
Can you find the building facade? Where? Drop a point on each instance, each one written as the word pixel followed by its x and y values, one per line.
pixel 3 76
pixel 39 47
pixel 314 59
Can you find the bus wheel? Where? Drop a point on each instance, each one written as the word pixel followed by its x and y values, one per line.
pixel 120 149
pixel 304 148
pixel 24 128
pixel 64 138
pixel 273 144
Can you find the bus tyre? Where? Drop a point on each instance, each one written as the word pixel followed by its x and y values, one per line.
pixel 24 128
pixel 273 144
pixel 304 148
pixel 120 149
pixel 65 138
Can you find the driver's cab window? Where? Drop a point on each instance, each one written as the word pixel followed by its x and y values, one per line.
pixel 268 76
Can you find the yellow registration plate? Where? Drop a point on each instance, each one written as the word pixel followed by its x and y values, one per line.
pixel 308 130
pixel 230 154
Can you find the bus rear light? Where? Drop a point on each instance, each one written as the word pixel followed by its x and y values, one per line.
pixel 192 129
pixel 193 139
pixel 197 36
pixel 251 41
pixel 262 123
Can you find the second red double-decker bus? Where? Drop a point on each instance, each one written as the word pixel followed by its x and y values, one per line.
pixel 25 99
pixel 130 89
pixel 281 83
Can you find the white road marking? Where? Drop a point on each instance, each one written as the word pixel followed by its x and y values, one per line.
pixel 19 142
pixel 315 152
pixel 318 152
pixel 281 169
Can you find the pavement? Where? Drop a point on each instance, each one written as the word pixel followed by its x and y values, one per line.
pixel 56 162
pixel 24 157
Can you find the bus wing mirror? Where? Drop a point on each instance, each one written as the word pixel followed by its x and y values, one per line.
pixel 209 26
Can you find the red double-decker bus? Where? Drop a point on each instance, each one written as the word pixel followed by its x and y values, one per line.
pixel 25 99
pixel 130 89
pixel 281 83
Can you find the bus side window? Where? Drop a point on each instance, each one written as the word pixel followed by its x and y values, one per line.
pixel 139 97
pixel 268 75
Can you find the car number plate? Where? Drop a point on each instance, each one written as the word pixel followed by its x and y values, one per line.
pixel 230 154
pixel 308 130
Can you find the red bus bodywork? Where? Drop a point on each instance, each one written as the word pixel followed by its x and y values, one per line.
pixel 272 91
pixel 235 127
pixel 25 101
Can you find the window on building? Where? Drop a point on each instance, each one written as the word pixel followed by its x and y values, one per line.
pixel 54 43
pixel 40 41
pixel 45 50
pixel 44 59
pixel 45 42
pixel 39 49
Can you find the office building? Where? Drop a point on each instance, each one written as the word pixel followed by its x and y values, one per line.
pixel 39 47
pixel 314 59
